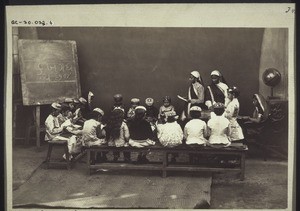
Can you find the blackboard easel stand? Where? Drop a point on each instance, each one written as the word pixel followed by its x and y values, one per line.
pixel 36 113
pixel 37 124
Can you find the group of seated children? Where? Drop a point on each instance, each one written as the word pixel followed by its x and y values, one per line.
pixel 75 122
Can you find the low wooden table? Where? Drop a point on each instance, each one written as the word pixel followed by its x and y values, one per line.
pixel 237 150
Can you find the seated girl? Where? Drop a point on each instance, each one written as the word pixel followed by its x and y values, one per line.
pixel 141 134
pixel 255 124
pixel 80 114
pixel 195 130
pixel 134 103
pixel 151 111
pixel 231 113
pixel 164 109
pixel 55 130
pixel 118 102
pixel 117 133
pixel 93 133
pixel 218 127
pixel 170 134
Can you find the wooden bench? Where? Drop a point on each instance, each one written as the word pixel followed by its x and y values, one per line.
pixel 67 162
pixel 237 150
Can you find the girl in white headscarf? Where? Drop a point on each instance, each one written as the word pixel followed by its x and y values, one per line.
pixel 195 94
pixel 216 92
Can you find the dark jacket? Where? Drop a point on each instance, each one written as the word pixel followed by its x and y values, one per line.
pixel 140 130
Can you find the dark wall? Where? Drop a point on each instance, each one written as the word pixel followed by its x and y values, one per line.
pixel 153 62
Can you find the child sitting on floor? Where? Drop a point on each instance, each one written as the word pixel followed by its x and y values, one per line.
pixel 165 108
pixel 117 133
pixel 218 127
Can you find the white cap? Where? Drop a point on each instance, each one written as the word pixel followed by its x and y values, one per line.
pixel 149 101
pixel 82 100
pixel 215 72
pixel 68 100
pixel 196 74
pixel 119 108
pixel 195 108
pixel 140 107
pixel 56 106
pixel 100 111
pixel 135 100
pixel 91 93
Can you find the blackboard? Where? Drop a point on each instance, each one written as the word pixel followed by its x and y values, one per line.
pixel 49 71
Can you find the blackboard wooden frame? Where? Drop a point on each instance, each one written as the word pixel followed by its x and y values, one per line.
pixel 70 65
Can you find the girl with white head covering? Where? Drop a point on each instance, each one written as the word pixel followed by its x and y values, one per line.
pixel 260 115
pixel 195 94
pixel 231 113
pixel 217 91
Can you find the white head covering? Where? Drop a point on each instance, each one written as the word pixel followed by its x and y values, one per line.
pixel 82 100
pixel 195 108
pixel 149 101
pixel 68 100
pixel 196 74
pixel 135 100
pixel 91 93
pixel 216 72
pixel 119 108
pixel 140 107
pixel 56 106
pixel 100 111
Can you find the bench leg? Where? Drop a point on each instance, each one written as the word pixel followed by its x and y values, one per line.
pixel 242 175
pixel 165 163
pixel 88 157
pixel 49 155
pixel 67 156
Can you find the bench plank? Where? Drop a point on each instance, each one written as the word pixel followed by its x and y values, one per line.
pixel 236 150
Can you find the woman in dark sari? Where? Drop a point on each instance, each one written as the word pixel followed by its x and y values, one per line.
pixel 255 124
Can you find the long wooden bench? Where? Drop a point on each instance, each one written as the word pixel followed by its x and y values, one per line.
pixel 236 150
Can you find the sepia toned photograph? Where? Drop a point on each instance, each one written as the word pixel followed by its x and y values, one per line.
pixel 138 109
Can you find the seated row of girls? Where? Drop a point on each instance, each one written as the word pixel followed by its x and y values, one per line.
pixel 152 113
pixel 136 134
pixel 66 118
